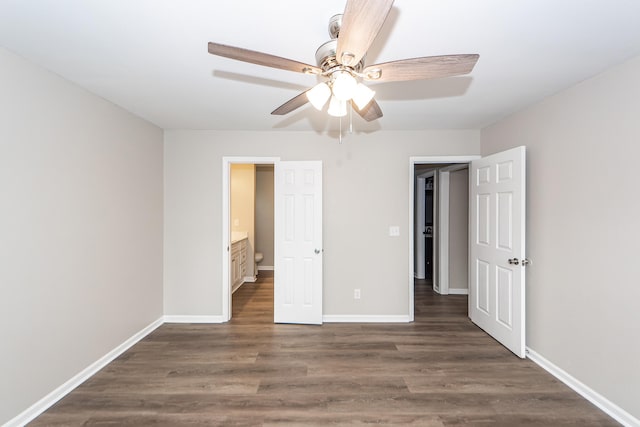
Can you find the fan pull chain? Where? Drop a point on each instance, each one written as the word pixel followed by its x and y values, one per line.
pixel 340 137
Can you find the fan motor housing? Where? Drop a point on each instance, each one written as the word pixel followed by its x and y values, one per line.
pixel 326 57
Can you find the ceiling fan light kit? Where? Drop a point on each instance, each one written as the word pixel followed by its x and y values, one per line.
pixel 343 85
pixel 362 96
pixel 341 61
pixel 337 107
pixel 319 95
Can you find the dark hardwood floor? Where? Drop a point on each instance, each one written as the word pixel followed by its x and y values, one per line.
pixel 440 370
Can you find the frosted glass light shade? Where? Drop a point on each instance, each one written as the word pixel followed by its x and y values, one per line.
pixel 337 107
pixel 319 95
pixel 362 96
pixel 344 85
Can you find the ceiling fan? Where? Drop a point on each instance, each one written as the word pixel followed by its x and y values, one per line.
pixel 341 62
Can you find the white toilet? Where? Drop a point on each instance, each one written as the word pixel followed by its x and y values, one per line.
pixel 257 258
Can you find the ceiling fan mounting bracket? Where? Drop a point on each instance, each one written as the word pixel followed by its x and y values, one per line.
pixel 335 22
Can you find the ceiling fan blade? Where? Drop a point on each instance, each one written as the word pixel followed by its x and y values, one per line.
pixel 260 58
pixel 361 22
pixel 370 112
pixel 292 104
pixel 429 67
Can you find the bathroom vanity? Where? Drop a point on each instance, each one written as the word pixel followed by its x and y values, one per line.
pixel 238 262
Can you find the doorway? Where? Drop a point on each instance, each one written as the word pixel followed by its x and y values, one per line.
pixel 496 252
pixel 429 207
pixel 424 223
pixel 441 227
pixel 252 244
pixel 297 290
pixel 241 239
pixel 439 168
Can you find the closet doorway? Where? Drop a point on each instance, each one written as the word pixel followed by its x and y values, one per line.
pixel 445 237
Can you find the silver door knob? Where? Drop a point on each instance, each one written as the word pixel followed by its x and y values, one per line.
pixel 514 261
pixel 317 251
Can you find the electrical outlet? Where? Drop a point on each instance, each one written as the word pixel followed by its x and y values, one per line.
pixel 356 294
pixel 394 231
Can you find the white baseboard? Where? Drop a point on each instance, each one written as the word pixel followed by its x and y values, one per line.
pixel 235 288
pixel 244 280
pixel 265 267
pixel 355 318
pixel 610 408
pixel 193 319
pixel 46 402
pixel 458 291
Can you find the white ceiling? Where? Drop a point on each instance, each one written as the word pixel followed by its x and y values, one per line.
pixel 150 56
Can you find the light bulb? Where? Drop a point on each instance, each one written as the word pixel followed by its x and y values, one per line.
pixel 318 95
pixel 362 96
pixel 337 107
pixel 344 85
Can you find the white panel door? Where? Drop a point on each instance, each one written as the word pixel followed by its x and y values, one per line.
pixel 497 247
pixel 298 242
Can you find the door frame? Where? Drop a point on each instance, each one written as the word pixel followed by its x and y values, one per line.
pixel 226 228
pixel 423 160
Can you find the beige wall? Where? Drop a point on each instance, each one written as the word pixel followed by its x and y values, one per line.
pixel 366 189
pixel 265 213
pixel 458 229
pixel 583 229
pixel 81 230
pixel 243 206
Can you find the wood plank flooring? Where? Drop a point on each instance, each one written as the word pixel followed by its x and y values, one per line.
pixel 440 370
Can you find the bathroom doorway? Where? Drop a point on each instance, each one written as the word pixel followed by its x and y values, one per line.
pixel 297 185
pixel 248 224
pixel 265 219
pixel 253 299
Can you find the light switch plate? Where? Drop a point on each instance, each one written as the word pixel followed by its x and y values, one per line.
pixel 394 231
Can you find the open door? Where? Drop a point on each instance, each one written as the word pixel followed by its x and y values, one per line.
pixel 497 247
pixel 298 242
